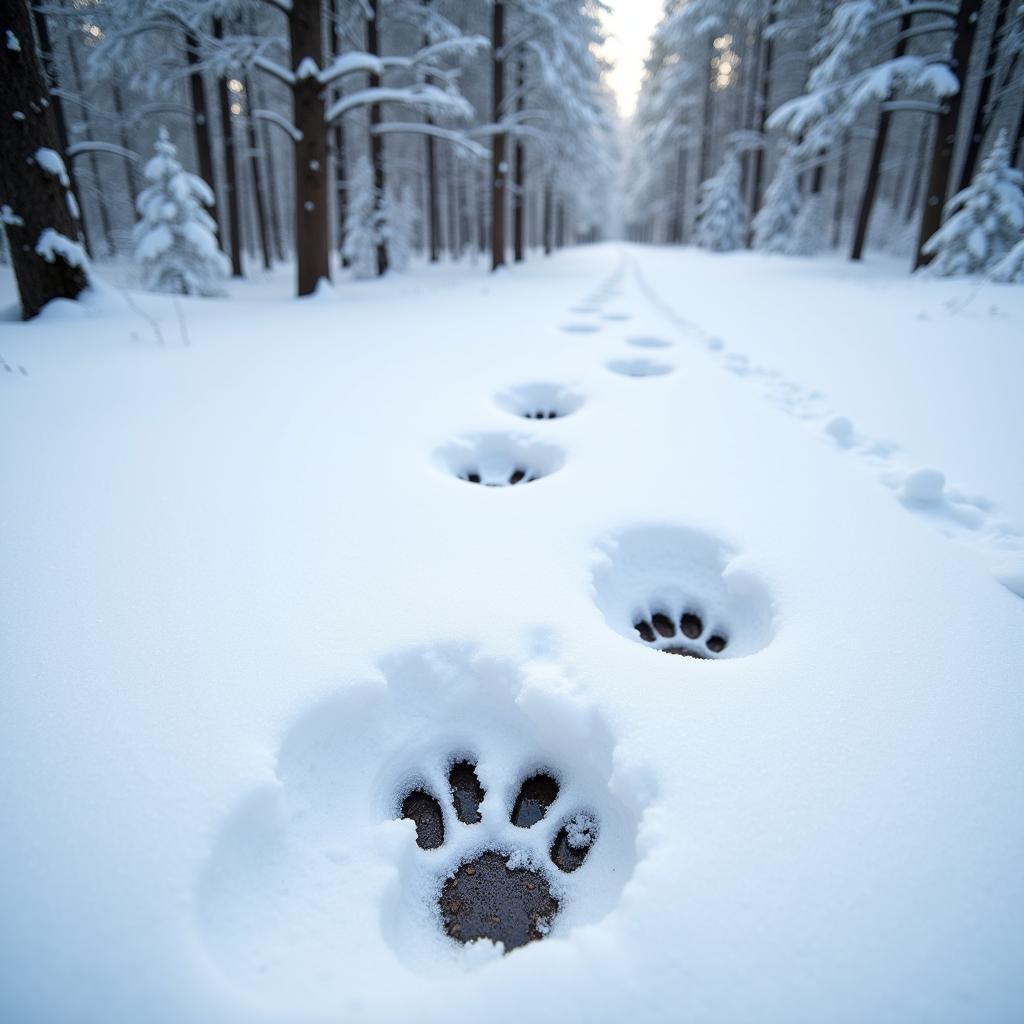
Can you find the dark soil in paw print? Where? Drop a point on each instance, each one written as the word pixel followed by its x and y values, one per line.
pixel 488 900
pixel 486 897
pixel 517 476
pixel 691 639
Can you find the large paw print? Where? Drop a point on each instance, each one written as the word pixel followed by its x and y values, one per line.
pixel 501 894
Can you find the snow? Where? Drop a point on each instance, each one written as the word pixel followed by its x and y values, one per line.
pixel 8 216
pixel 13 43
pixel 248 603
pixel 52 243
pixel 52 163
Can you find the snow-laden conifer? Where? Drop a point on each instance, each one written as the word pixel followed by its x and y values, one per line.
pixel 365 223
pixel 983 222
pixel 722 213
pixel 776 220
pixel 176 240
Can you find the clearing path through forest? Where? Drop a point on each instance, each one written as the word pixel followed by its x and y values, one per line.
pixel 366 560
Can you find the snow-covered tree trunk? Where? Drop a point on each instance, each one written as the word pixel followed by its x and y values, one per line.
pixel 946 130
pixel 981 111
pixel 305 29
pixel 499 167
pixel 376 139
pixel 201 119
pixel 39 213
pixel 258 191
pixel 519 170
pixel 230 166
pixel 867 200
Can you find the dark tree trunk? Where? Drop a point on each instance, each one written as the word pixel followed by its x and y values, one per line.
pixel 914 183
pixel 276 229
pixel 867 199
pixel 106 225
pixel 946 130
pixel 305 30
pixel 499 169
pixel 839 210
pixel 201 123
pixel 519 170
pixel 454 239
pixel 376 140
pixel 340 163
pixel 678 197
pixel 706 116
pixel 548 225
pixel 1017 146
pixel 764 96
pixel 258 190
pixel 53 82
pixel 981 112
pixel 122 135
pixel 433 207
pixel 34 200
pixel 230 165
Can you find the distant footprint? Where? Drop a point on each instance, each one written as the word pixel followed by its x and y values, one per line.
pixel 581 328
pixel 648 342
pixel 639 367
pixel 616 317
pixel 500 460
pixel 540 401
pixel 681 592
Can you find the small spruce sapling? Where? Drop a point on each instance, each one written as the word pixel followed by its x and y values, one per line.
pixel 176 240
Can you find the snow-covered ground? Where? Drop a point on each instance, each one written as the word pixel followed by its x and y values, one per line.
pixel 248 604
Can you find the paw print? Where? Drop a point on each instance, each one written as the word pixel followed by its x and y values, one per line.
pixel 691 639
pixel 506 892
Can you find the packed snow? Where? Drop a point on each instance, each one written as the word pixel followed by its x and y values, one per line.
pixel 251 598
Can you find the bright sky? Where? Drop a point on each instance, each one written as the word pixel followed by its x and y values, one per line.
pixel 629 24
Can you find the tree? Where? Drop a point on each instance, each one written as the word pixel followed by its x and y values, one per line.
pixel 37 207
pixel 365 224
pixel 722 213
pixel 499 166
pixel 983 222
pixel 175 241
pixel 775 222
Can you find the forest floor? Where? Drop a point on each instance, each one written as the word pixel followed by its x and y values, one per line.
pixel 252 599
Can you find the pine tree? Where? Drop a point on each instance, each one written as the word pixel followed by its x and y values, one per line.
pixel 776 220
pixel 984 221
pixel 1010 269
pixel 722 213
pixel 811 227
pixel 175 241
pixel 364 226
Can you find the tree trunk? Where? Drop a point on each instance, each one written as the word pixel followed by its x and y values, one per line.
pixel 946 130
pixel 106 225
pixel 706 115
pixel 201 124
pixel 376 140
pixel 258 190
pixel 433 208
pixel 37 204
pixel 839 210
pixel 53 82
pixel 499 169
pixel 340 163
pixel 122 135
pixel 273 199
pixel 867 199
pixel 764 95
pixel 305 30
pixel 981 119
pixel 230 166
pixel 548 228
pixel 917 173
pixel 518 194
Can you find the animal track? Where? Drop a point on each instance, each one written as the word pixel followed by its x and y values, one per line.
pixel 683 634
pixel 648 342
pixel 501 895
pixel 681 592
pixel 639 367
pixel 499 460
pixel 540 401
pixel 581 328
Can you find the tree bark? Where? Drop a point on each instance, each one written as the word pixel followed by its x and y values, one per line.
pixel 230 166
pixel 839 210
pixel 499 168
pixel 981 118
pixel 548 228
pixel 305 30
pixel 706 115
pixel 946 130
pixel 519 170
pixel 33 200
pixel 258 190
pixel 757 188
pixel 106 225
pixel 201 124
pixel 867 200
pixel 376 140
pixel 122 135
pixel 340 163
pixel 53 82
